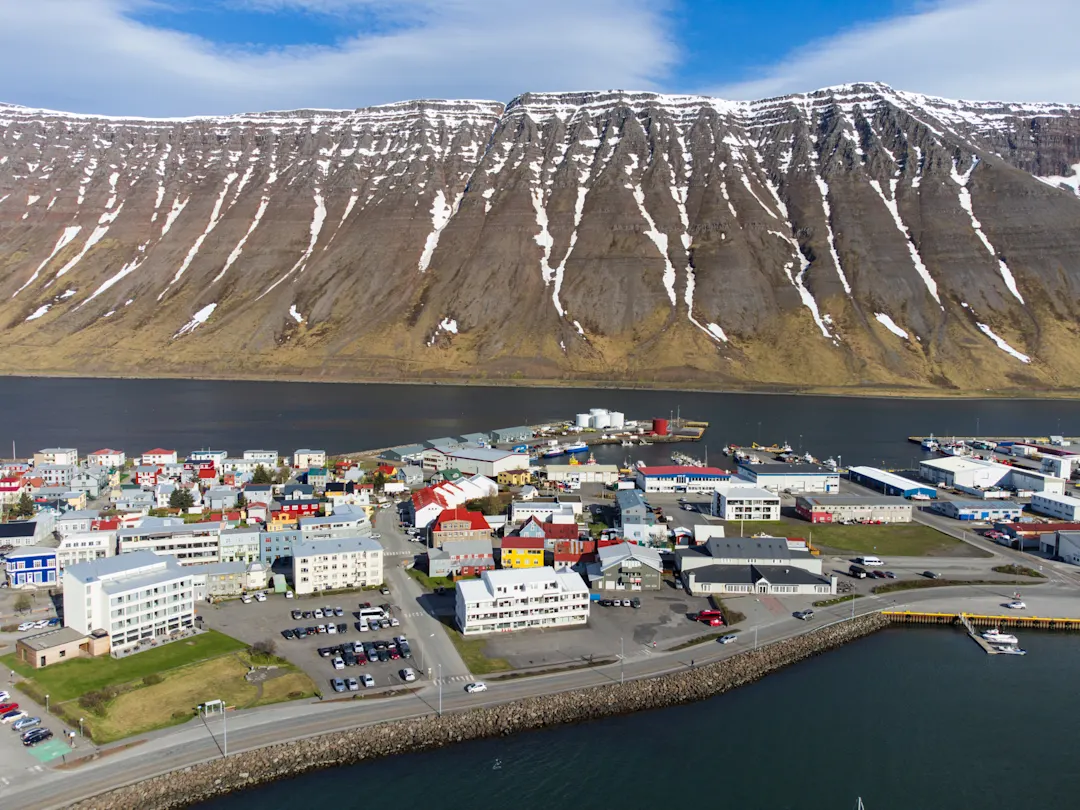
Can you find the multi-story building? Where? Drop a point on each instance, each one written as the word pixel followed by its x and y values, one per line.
pixel 189 543
pixel 76 522
pixel 734 502
pixel 55 475
pixel 680 478
pixel 137 598
pixel 326 565
pixel 505 601
pixel 461 558
pixel 635 519
pixel 276 545
pixel 56 455
pixel 459 524
pixel 267 457
pixel 522 552
pixel 859 508
pixel 1063 507
pixel 159 456
pixel 107 458
pixel 85 546
pixel 306 459
pixel 31 567
pixel 240 545
pixel 627 567
pixel 346 521
pixel 778 476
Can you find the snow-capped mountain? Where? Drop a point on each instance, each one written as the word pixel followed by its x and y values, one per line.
pixel 857 235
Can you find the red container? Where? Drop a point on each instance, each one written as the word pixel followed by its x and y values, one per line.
pixel 660 427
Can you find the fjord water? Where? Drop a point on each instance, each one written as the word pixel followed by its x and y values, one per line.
pixel 136 415
pixel 908 718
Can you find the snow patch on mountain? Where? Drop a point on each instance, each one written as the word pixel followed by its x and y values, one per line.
pixel 890 324
pixel 197 320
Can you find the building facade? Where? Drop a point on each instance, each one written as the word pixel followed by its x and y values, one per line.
pixel 1062 507
pixel 733 502
pixel 85 546
pixel 979 510
pixel 488 462
pixel 461 558
pixel 56 455
pixel 137 598
pixel 32 567
pixel 455 525
pixel 680 479
pixel 798 477
pixel 506 601
pixel 627 567
pixel 522 552
pixel 189 543
pixel 324 565
pixel 306 459
pixel 853 508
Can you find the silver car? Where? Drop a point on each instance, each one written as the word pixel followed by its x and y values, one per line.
pixel 26 723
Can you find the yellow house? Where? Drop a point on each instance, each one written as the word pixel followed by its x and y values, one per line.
pixel 522 552
pixel 77 500
pixel 515 478
pixel 280 521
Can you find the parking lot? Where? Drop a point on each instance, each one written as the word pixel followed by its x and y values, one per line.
pixel 261 621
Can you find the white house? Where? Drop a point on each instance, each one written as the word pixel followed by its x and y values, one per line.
pixel 189 543
pixel 56 475
pixel 75 522
pixel 107 458
pixel 267 457
pixel 743 565
pixel 306 459
pixel 971 474
pixel 138 598
pixel 521 599
pixel 736 502
pixel 1062 507
pixel 159 456
pixel 576 474
pixel 546 509
pixel 240 545
pixel 85 546
pixel 56 455
pixel 348 562
pixel 347 520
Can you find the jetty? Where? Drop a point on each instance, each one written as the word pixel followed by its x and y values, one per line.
pixel 972 620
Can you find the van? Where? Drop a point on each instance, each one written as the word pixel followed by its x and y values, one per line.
pixel 857 572
pixel 870 561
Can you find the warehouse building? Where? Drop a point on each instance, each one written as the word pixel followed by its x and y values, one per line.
pixel 577 474
pixel 890 483
pixel 854 508
pixel 736 502
pixel 1062 507
pixel 979 474
pixel 781 477
pixel 979 510
pixel 480 460
pixel 680 479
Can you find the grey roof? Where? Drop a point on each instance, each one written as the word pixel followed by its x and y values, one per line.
pixel 467 547
pixel 855 500
pixel 615 555
pixel 407 449
pixel 80 514
pixel 52 638
pixel 475 438
pixel 30 551
pixel 219 568
pixel 725 574
pixel 628 498
pixel 987 505
pixel 342 545
pixel 478 453
pixel 442 441
pixel 747 547
pixel 117 565
pixel 750 574
pixel 779 468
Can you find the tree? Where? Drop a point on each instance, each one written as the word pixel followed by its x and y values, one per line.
pixel 25 506
pixel 241 501
pixel 261 475
pixel 267 647
pixel 379 481
pixel 23 603
pixel 181 498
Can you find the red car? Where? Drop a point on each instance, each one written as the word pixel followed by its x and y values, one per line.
pixel 8 707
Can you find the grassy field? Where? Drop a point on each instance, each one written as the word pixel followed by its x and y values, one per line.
pixel 472 651
pixel 920 584
pixel 897 539
pixel 175 699
pixel 69 680
pixel 430 583
pixel 836 600
pixel 702 639
pixel 1019 571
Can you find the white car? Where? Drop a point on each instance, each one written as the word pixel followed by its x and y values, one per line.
pixel 479 686
pixel 5 697
pixel 375 536
pixel 362 627
pixel 367 680
pixel 338 663
pixel 394 622
pixel 728 639
pixel 1016 604
pixel 331 628
pixel 408 675
pixel 317 613
pixel 245 599
pixel 26 626
pixel 260 597
pixel 289 595
pixel 41 625
pixel 11 717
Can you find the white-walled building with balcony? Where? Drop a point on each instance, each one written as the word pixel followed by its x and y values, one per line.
pixel 521 599
pixel 138 598
pixel 745 502
pixel 325 565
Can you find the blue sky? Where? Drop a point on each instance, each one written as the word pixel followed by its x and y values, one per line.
pixel 185 57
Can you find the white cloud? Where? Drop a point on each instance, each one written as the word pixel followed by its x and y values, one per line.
pixel 972 49
pixel 92 56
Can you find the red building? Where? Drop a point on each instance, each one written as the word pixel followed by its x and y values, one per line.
pixel 147 476
pixel 301 508
pixel 569 553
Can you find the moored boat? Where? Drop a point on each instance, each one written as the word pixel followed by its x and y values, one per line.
pixel 995 636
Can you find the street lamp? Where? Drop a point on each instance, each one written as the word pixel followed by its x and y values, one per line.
pixel 622 660
pixel 80 727
pixel 440 690
pixel 46 704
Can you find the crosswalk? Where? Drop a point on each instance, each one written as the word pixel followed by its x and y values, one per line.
pixel 396 553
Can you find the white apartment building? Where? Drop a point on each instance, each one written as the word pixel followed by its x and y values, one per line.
pixel 107 457
pixel 521 599
pixel 56 455
pixel 348 562
pixel 306 459
pixel 1063 507
pixel 55 475
pixel 735 502
pixel 136 597
pixel 347 520
pixel 240 544
pixel 215 456
pixel 267 457
pixel 85 547
pixel 190 543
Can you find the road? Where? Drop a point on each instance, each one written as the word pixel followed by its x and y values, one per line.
pixel 193 743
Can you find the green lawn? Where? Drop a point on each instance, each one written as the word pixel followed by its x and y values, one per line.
pixel 74 678
pixel 430 583
pixel 472 651
pixel 896 539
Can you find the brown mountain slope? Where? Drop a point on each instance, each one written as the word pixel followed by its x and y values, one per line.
pixel 856 236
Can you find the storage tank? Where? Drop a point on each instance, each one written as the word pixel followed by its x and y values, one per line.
pixel 659 427
pixel 583 420
pixel 597 411
pixel 618 420
pixel 601 421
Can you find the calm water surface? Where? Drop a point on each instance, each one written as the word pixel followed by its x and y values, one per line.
pixel 188 414
pixel 910 719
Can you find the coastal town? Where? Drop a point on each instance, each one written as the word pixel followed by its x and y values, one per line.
pixel 439 569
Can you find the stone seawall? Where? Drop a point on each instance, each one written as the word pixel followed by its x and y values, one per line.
pixel 190 786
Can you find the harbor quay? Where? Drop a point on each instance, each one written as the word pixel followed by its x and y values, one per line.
pixel 315 592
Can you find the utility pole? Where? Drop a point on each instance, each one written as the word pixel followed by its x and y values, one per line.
pixel 225 728
pixel 440 690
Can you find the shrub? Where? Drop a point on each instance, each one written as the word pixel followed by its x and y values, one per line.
pixel 152 679
pixel 98 700
pixel 265 648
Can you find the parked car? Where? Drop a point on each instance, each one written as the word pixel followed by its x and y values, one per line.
pixel 331 628
pixel 384 655
pixel 26 723
pixel 408 675
pixel 337 684
pixel 245 599
pixel 325 652
pixel 4 697
pixel 361 626
pixel 349 657
pixel 805 615
pixel 36 736
pixel 364 605
pixel 317 614
pixel 26 626
pixel 728 639
pixel 260 597
pixel 479 686
pixel 288 634
pixel 342 627
pixel 338 663
pixel 339 612
pixel 635 603
pixel 890 575
pixel 352 684
pixel 297 615
pixel 368 681
pixel 384 591
pixel 877 574
pixel 394 622
pixel 288 594
pixel 41 624
pixel 301 632
pixel 12 716
pixel 8 707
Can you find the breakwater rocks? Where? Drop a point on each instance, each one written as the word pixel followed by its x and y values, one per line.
pixel 198 783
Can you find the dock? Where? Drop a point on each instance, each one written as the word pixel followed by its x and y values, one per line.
pixel 1012 621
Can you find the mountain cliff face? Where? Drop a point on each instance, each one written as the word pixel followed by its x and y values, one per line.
pixel 854 236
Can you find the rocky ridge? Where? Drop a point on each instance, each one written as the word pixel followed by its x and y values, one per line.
pixel 854 236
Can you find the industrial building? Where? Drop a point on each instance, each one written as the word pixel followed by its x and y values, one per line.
pixel 1062 507
pixel 973 474
pixel 979 510
pixel 889 483
pixel 505 601
pixel 1064 544
pixel 576 474
pixel 745 502
pixel 680 479
pixel 782 477
pixel 485 461
pixel 856 508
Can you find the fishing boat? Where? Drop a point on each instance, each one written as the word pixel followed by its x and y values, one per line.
pixel 830 462
pixel 1008 649
pixel 552 452
pixel 577 447
pixel 639 463
pixel 627 443
pixel 995 636
pixel 929 443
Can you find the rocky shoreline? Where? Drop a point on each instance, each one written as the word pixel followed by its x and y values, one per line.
pixel 190 786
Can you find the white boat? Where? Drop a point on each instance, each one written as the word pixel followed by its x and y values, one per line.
pixel 830 463
pixel 627 443
pixel 995 636
pixel 645 443
pixel 1008 649
pixel 577 447
pixel 639 463
pixel 930 443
